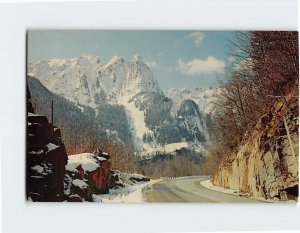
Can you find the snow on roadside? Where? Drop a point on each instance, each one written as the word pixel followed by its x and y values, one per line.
pixel 209 185
pixel 131 194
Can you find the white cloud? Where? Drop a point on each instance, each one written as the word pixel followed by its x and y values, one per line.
pixel 197 66
pixel 169 69
pixel 197 37
pixel 152 64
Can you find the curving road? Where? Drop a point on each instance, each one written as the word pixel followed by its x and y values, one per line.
pixel 188 190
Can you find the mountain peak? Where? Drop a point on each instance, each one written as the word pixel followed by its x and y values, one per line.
pixel 85 59
pixel 114 60
pixel 79 79
pixel 137 57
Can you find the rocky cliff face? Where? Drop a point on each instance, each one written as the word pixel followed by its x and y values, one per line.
pixel 46 158
pixel 86 80
pixel 51 175
pixel 203 97
pixel 193 120
pixel 88 174
pixel 266 164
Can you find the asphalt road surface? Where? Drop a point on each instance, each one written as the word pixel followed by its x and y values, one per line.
pixel 188 190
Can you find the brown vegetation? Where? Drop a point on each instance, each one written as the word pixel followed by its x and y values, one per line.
pixel 168 165
pixel 264 69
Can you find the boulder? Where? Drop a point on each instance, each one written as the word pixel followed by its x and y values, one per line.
pixel 92 174
pixel 139 178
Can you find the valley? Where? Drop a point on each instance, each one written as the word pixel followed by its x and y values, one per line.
pixel 112 84
pixel 115 133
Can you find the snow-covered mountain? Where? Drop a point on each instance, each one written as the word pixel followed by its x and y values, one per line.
pixel 118 87
pixel 203 97
pixel 193 120
pixel 88 80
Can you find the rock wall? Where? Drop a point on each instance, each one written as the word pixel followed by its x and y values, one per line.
pixel 88 174
pixel 46 158
pixel 266 164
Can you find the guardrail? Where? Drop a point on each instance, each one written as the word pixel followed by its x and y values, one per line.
pixel 184 177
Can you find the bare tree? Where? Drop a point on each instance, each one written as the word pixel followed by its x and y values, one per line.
pixel 263 64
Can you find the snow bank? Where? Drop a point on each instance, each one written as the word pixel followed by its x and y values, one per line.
pixel 208 184
pixel 133 192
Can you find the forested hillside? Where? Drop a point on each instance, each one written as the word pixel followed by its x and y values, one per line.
pixel 80 128
pixel 123 97
pixel 259 95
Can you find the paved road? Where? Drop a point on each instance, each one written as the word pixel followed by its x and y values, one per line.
pixel 188 190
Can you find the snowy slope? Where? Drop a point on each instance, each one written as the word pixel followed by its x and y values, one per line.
pixel 86 79
pixel 90 81
pixel 136 119
pixel 137 123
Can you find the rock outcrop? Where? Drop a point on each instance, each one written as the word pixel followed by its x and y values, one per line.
pixel 46 158
pixel 127 179
pixel 266 164
pixel 88 174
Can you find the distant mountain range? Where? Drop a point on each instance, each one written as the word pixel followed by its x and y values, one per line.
pixel 123 97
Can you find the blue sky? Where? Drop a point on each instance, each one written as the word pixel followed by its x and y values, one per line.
pixel 177 58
